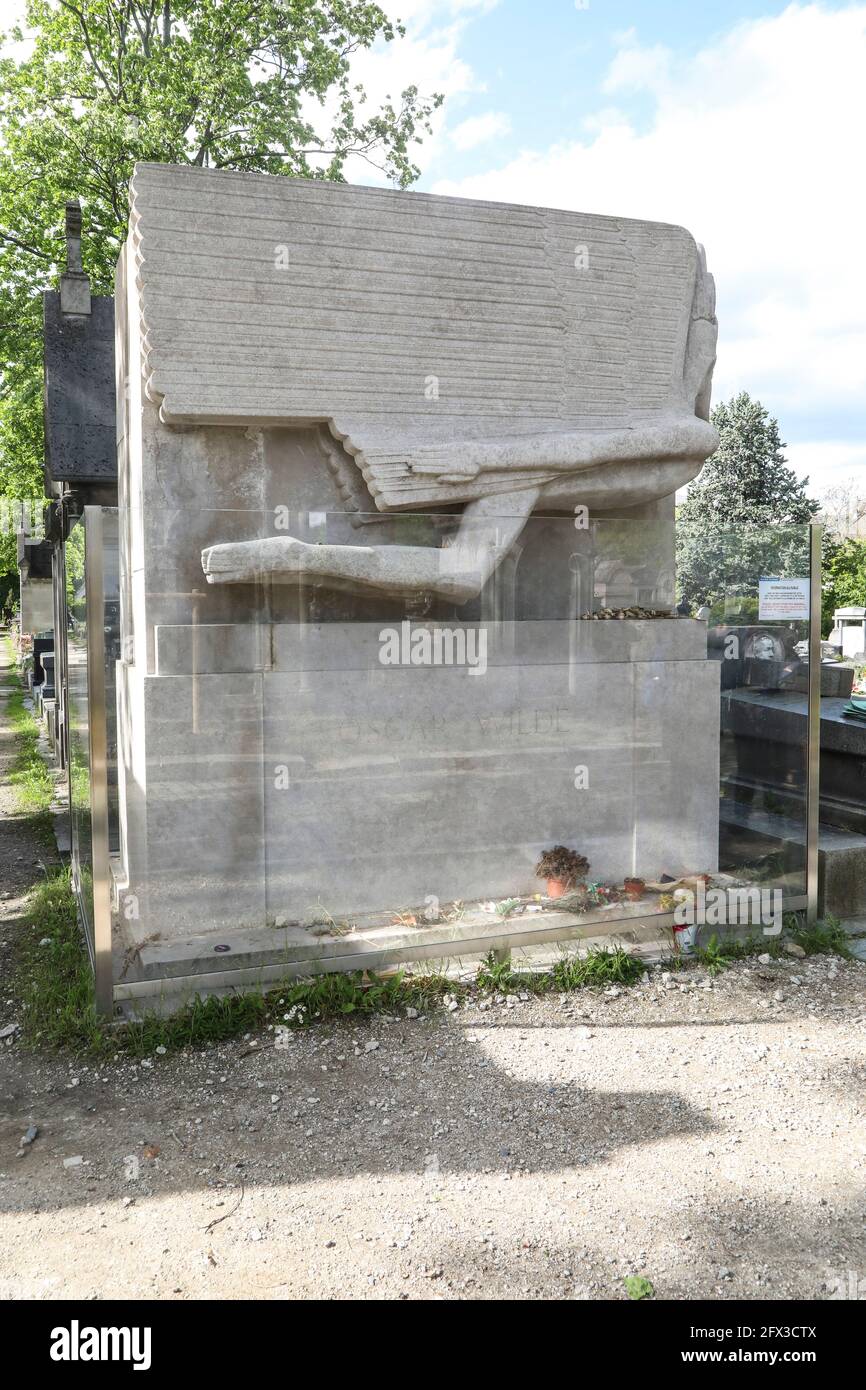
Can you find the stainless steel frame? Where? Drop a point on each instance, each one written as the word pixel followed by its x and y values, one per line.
pixel 100 945
pixel 59 581
pixel 252 976
pixel 813 726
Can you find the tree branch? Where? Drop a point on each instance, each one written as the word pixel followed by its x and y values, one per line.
pixel 24 246
pixel 67 5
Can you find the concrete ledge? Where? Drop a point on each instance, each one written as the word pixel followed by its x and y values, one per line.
pixel 297 948
pixel 781 715
pixel 186 649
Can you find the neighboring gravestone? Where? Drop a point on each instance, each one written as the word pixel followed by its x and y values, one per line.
pixel 364 437
pixel 80 437
pixel 36 592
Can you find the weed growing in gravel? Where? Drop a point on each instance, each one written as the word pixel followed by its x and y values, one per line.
pixel 717 955
pixel 820 939
pixel 200 1022
pixel 55 987
pixel 637 1287
pixel 597 967
pixel 323 997
pixel 499 977
pixel 357 992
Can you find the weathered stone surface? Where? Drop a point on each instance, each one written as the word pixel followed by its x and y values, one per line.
pixel 194 830
pixel 450 784
pixel 211 649
pixel 459 351
pixel 332 784
pixel 79 393
pixel 290 300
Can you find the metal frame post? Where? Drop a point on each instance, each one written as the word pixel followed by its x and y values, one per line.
pixel 94 585
pixel 813 723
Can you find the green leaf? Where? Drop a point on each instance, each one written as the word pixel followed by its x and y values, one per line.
pixel 224 84
pixel 636 1286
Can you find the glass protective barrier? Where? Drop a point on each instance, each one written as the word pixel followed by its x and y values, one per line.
pixel 78 726
pixel 758 631
pixel 91 563
pixel 349 741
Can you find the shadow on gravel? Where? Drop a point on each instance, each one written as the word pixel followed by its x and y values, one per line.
pixel 724 1250
pixel 515 1126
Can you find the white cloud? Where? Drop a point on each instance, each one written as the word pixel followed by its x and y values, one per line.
pixel 635 68
pixel 754 144
pixel 827 465
pixel 13 12
pixel 479 129
pixel 426 57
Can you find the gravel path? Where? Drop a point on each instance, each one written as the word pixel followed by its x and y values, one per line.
pixel 708 1134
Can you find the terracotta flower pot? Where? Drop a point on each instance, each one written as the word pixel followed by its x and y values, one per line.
pixel 634 889
pixel 557 888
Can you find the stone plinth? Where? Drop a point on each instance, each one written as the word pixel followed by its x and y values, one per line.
pixel 328 785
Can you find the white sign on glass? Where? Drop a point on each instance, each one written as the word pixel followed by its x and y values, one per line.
pixel 783 600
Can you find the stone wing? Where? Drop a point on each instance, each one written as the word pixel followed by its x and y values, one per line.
pixel 402 320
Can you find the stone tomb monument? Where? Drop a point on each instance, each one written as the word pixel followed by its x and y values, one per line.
pixel 378 453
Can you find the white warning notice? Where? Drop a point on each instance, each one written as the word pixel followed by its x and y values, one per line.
pixel 783 600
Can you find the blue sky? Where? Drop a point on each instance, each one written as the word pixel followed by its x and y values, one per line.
pixel 742 120
pixel 543 62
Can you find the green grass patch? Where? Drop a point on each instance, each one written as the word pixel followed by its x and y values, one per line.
pixel 53 976
pixel 823 938
pixel 55 987
pixel 28 774
pixel 598 967
pixel 718 953
pixel 361 994
pixel 497 976
pixel 295 1004
pixel 200 1023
